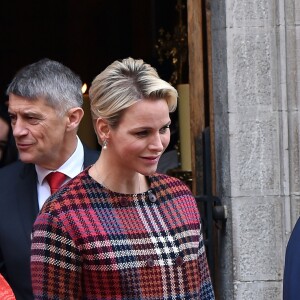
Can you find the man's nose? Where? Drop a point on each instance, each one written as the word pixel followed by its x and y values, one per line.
pixel 19 128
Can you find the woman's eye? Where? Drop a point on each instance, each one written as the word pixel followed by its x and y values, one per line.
pixel 142 133
pixel 164 129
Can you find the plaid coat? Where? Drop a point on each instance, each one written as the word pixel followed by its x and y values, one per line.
pixel 91 243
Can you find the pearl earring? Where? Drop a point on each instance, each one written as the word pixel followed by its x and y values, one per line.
pixel 105 144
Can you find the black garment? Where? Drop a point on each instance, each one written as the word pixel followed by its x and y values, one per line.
pixel 291 278
pixel 18 210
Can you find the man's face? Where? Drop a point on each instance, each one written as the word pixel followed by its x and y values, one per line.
pixel 4 130
pixel 38 130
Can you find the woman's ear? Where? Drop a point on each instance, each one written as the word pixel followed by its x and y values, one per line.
pixel 102 129
pixel 74 116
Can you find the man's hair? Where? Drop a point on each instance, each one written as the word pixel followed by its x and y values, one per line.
pixel 122 84
pixel 50 80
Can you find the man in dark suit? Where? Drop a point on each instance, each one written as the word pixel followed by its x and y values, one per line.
pixel 45 102
pixel 291 278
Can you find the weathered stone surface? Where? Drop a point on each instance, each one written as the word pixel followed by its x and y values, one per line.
pixel 295 211
pixel 294 143
pixel 255 162
pixel 256 88
pixel 258 290
pixel 257 238
pixel 242 13
pixel 252 79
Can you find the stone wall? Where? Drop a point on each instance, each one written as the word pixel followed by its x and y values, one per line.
pixel 256 87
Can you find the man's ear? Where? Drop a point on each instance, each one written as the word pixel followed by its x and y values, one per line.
pixel 74 115
pixel 102 129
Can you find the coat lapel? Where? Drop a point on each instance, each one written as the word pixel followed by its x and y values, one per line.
pixel 27 198
pixel 90 156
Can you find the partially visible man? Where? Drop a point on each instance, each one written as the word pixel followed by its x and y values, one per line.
pixel 291 278
pixel 8 149
pixel 45 102
pixel 4 131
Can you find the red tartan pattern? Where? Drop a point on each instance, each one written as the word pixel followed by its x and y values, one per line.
pixel 6 292
pixel 89 243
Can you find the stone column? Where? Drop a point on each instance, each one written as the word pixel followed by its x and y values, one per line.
pixel 256 72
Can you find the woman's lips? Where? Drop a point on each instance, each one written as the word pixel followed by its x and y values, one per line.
pixel 152 159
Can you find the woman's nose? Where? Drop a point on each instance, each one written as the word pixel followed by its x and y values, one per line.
pixel 156 143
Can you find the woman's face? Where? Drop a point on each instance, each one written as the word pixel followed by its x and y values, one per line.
pixel 141 137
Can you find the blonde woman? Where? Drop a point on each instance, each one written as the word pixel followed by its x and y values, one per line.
pixel 119 230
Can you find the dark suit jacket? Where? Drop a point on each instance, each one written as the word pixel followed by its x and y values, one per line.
pixel 18 210
pixel 291 278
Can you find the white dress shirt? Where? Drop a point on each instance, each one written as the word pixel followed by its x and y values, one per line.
pixel 72 167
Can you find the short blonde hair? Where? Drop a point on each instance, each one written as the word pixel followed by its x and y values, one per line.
pixel 122 84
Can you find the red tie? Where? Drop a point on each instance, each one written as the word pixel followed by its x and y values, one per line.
pixel 55 180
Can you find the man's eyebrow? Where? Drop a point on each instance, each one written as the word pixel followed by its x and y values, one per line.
pixel 26 112
pixel 30 112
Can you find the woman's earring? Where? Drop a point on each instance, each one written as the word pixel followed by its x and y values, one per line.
pixel 105 144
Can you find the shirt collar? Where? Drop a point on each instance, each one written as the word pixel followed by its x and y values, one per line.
pixel 71 167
